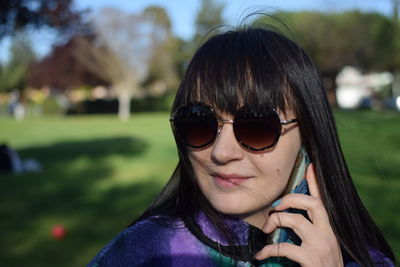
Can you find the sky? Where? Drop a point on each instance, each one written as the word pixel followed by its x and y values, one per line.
pixel 183 13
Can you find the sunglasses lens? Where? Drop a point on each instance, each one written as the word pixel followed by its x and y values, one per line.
pixel 196 125
pixel 257 129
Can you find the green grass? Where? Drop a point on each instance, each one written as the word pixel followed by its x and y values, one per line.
pixel 371 144
pixel 100 173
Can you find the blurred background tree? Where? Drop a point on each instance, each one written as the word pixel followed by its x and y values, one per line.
pixel 19 20
pixel 13 74
pixel 62 71
pixel 333 40
pixel 396 37
pixel 122 50
pixel 59 15
pixel 165 64
pixel 208 17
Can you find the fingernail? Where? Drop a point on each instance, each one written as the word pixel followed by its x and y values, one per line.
pixel 276 203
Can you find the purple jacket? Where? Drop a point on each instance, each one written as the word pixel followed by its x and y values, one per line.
pixel 161 241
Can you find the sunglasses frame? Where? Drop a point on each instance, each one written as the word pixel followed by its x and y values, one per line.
pixel 221 122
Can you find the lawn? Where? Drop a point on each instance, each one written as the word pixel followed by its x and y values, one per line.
pixel 100 173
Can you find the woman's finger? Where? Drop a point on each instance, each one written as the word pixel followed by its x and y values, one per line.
pixel 312 205
pixel 290 251
pixel 300 225
pixel 312 181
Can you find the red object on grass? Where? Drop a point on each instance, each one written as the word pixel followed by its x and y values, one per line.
pixel 58 231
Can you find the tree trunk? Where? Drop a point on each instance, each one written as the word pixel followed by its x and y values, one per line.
pixel 396 84
pixel 329 80
pixel 124 104
pixel 396 4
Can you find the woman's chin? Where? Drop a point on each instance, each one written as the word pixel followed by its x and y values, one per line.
pixel 238 211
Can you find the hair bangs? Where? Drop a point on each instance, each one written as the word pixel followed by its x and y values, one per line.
pixel 234 69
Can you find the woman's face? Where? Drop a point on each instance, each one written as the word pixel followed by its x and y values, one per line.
pixel 241 183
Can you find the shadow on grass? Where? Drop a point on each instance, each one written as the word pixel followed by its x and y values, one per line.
pixel 95 149
pixel 76 190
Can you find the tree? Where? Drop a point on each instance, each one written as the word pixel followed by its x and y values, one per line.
pixel 165 63
pixel 209 17
pixel 16 15
pixel 364 40
pixel 396 4
pixel 121 52
pixel 13 74
pixel 61 70
pixel 396 56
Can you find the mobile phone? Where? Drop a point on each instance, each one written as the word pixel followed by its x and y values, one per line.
pixel 296 184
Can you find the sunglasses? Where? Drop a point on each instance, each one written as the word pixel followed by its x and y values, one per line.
pixel 256 128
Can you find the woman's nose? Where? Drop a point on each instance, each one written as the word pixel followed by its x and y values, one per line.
pixel 225 148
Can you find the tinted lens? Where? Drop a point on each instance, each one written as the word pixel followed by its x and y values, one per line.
pixel 257 128
pixel 196 125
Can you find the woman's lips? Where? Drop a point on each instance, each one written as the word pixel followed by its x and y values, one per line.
pixel 226 181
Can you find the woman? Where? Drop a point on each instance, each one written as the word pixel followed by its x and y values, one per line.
pixel 250 100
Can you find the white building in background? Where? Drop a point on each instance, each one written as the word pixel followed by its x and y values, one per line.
pixel 354 87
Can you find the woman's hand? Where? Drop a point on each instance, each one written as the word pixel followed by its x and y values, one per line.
pixel 319 245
